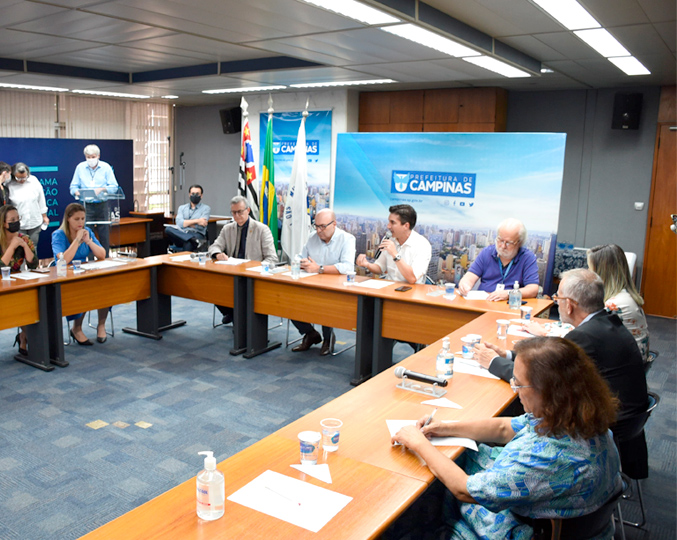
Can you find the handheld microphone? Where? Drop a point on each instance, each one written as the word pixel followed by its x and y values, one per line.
pixel 401 371
pixel 386 236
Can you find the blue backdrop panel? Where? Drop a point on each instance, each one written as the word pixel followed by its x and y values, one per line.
pixel 53 162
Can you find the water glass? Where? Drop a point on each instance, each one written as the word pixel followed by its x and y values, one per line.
pixel 5 272
pixel 77 266
pixel 309 443
pixel 331 429
pixel 502 328
pixel 202 259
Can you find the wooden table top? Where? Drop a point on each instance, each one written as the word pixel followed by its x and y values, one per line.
pixel 378 496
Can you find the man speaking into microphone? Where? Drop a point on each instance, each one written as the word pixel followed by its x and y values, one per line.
pixel 405 256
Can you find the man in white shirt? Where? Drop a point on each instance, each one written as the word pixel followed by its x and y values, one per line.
pixel 405 256
pixel 26 193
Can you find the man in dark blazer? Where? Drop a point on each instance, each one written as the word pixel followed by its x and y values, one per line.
pixel 600 334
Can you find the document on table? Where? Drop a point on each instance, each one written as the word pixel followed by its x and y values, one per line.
pixel 29 275
pixel 395 425
pixel 291 500
pixel 477 295
pixel 516 330
pixel 233 261
pixel 302 274
pixel 181 258
pixel 100 265
pixel 272 271
pixel 374 283
pixel 471 367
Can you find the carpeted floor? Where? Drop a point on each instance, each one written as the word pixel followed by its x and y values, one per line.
pixel 124 422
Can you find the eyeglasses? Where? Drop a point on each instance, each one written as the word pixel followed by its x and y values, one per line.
pixel 321 227
pixel 556 298
pixel 508 243
pixel 515 387
pixel 239 212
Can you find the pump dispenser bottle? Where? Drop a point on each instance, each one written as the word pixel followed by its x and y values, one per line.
pixel 211 490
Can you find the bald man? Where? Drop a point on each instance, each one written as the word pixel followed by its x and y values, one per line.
pixel 329 251
pixel 500 265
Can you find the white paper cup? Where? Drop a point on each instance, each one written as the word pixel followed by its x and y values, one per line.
pixel 525 312
pixel 5 272
pixel 468 347
pixel 309 443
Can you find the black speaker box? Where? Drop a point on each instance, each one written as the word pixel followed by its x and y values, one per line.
pixel 231 120
pixel 627 109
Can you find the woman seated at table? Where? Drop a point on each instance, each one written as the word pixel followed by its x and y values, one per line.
pixel 559 459
pixel 620 295
pixel 77 242
pixel 15 248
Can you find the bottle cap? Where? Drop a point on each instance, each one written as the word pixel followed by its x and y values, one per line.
pixel 210 460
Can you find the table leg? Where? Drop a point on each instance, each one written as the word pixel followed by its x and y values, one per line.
pixel 364 340
pixel 143 248
pixel 38 337
pixel 57 353
pixel 239 315
pixel 257 327
pixel 383 347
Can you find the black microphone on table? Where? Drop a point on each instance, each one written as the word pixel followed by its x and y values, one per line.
pixel 386 236
pixel 401 371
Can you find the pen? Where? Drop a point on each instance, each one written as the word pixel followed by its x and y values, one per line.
pixel 429 419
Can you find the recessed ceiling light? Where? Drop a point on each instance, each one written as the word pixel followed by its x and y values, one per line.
pixel 630 65
pixel 31 87
pixel 169 96
pixel 603 42
pixel 546 70
pixel 430 39
pixel 244 89
pixel 497 66
pixel 569 13
pixel 109 94
pixel 355 10
pixel 341 83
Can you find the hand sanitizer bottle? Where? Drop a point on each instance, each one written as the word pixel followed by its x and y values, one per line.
pixel 445 361
pixel 515 297
pixel 61 266
pixel 211 490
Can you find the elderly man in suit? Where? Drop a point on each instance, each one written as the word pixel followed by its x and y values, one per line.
pixel 244 238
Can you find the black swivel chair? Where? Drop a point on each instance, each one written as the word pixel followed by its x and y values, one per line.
pixel 631 443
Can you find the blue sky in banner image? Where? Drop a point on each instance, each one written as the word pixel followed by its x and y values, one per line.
pixel 469 180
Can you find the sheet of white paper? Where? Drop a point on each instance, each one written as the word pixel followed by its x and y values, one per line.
pixel 259 269
pixel 302 274
pixel 449 296
pixel 171 226
pixel 471 367
pixel 321 471
pixel 99 265
pixel 437 292
pixel 232 260
pixel 395 425
pixel 374 283
pixel 180 258
pixel 291 500
pixel 29 275
pixel 442 402
pixel 516 330
pixel 477 295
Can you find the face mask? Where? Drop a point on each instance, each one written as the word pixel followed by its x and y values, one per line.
pixel 195 199
pixel 93 162
pixel 14 226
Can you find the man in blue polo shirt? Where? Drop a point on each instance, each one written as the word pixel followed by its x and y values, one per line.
pixel 500 265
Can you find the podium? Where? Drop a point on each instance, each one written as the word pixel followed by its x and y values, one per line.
pixel 102 208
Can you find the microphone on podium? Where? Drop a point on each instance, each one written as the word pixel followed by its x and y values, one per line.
pixel 401 371
pixel 386 236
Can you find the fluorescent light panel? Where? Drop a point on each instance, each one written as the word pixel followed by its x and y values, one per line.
pixel 603 42
pixel 355 10
pixel 169 96
pixel 569 13
pixel 31 87
pixel 245 89
pixel 630 65
pixel 430 39
pixel 341 83
pixel 110 94
pixel 497 66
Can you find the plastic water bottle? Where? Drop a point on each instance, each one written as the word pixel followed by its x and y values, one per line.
pixel 61 267
pixel 296 267
pixel 211 490
pixel 515 297
pixel 445 361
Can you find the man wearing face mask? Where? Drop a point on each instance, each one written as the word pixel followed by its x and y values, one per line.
pixel 190 231
pixel 94 174
pixel 26 193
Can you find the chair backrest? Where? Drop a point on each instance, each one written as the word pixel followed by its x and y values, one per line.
pixel 578 528
pixel 632 427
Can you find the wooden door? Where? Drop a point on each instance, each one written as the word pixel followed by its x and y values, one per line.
pixel 659 277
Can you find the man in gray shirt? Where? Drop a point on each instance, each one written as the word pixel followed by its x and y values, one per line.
pixel 190 232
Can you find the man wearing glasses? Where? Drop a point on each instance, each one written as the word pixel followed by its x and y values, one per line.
pixel 329 251
pixel 500 265
pixel 602 335
pixel 243 238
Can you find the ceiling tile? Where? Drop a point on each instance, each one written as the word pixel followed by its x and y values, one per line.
pixel 667 32
pixel 615 13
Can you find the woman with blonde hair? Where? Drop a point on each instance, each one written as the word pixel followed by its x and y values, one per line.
pixel 620 294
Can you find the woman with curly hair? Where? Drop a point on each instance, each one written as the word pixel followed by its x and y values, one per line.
pixel 558 459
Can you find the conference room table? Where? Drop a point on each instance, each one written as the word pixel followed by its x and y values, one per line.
pixel 383 480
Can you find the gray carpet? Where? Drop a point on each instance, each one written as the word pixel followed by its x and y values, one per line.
pixel 159 403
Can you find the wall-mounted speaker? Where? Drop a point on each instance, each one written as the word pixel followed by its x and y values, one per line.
pixel 231 120
pixel 627 110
